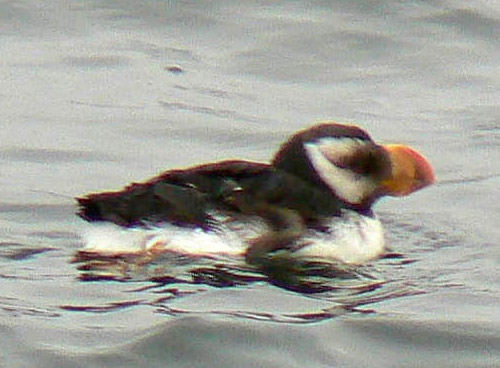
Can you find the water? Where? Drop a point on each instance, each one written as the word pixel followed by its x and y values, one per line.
pixel 99 94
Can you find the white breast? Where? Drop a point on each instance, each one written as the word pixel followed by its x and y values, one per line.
pixel 351 238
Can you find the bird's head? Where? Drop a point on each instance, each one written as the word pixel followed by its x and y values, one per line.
pixel 349 163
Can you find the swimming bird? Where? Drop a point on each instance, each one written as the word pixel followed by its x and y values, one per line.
pixel 314 199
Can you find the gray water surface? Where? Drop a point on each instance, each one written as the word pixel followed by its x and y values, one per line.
pixel 98 94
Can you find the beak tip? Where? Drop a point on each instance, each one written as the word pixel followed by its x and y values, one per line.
pixel 424 171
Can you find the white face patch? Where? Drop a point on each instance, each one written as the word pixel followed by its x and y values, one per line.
pixel 348 185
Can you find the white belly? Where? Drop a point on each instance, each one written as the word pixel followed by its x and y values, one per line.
pixel 352 238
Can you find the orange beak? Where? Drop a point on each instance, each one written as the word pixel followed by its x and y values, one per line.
pixel 410 171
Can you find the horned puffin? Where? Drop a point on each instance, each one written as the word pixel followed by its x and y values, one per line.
pixel 313 200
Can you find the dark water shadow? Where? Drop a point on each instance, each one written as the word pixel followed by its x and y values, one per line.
pixel 171 277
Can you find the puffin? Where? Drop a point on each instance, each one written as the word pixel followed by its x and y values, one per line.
pixel 313 200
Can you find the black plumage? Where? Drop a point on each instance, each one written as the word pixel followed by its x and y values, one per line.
pixel 287 194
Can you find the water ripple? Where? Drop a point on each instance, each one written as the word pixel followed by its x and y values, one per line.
pixel 344 289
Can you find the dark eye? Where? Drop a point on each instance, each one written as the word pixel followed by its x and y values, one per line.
pixel 369 161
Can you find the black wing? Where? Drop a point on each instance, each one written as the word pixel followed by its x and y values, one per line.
pixel 182 197
pixel 185 197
